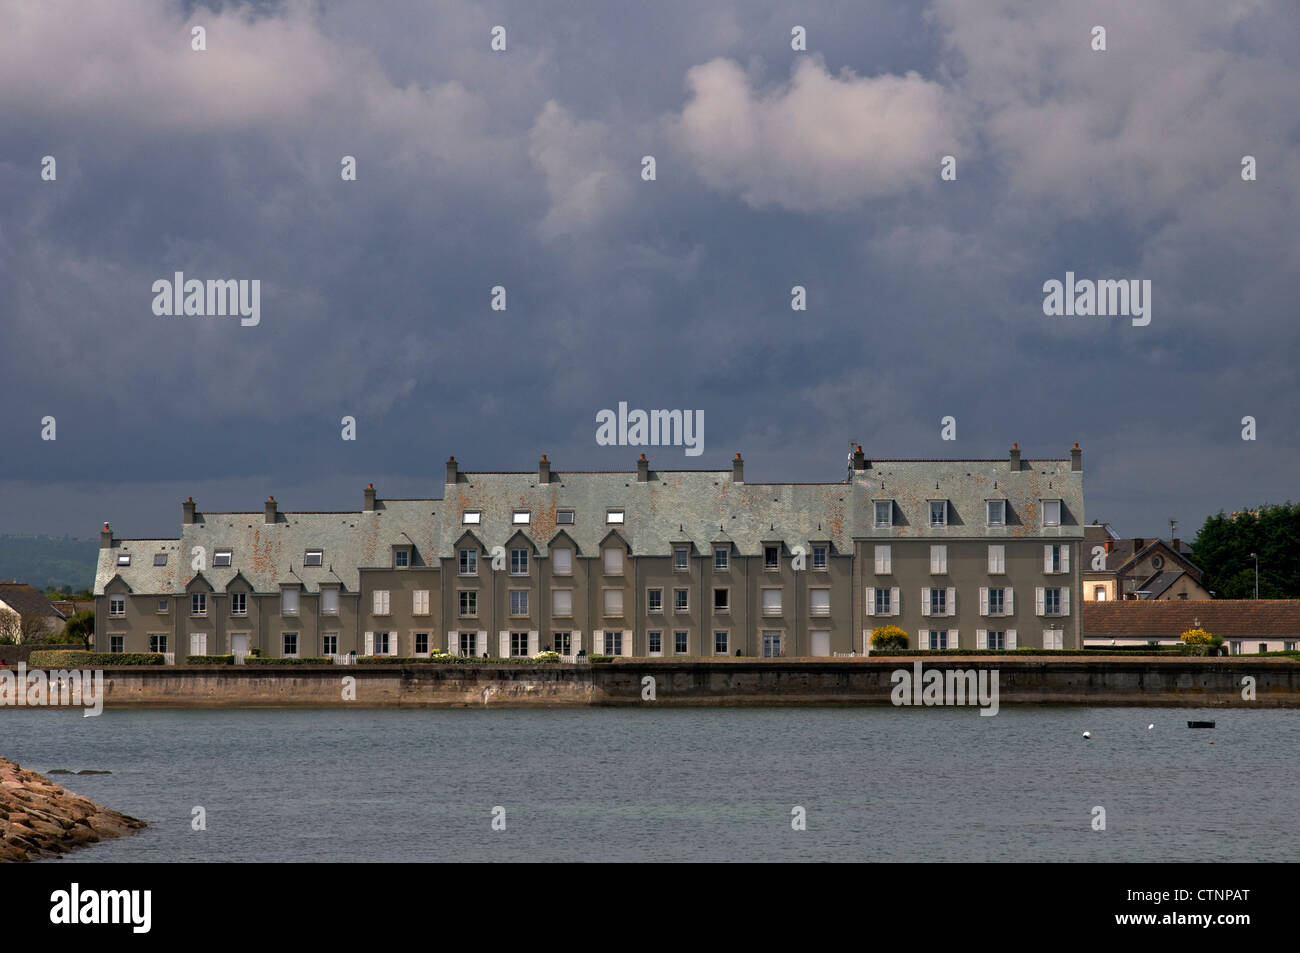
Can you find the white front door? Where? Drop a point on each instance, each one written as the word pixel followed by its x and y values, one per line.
pixel 198 643
pixel 239 646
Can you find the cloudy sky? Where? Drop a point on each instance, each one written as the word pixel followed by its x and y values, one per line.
pixel 522 168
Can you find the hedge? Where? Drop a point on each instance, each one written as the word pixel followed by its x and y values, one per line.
pixel 209 660
pixel 1168 650
pixel 305 660
pixel 449 660
pixel 79 658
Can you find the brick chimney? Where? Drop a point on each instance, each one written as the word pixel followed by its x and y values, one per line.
pixel 738 469
pixel 1138 543
pixel 642 469
pixel 1178 545
pixel 369 505
pixel 1076 458
pixel 1015 457
pixel 452 470
pixel 187 511
pixel 105 538
pixel 543 471
pixel 859 459
pixel 269 515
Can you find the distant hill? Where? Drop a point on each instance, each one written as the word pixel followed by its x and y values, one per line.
pixel 49 561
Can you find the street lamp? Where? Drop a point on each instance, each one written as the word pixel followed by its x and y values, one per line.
pixel 1256 558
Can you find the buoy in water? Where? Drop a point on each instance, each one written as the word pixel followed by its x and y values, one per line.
pixel 1149 727
pixel 1087 734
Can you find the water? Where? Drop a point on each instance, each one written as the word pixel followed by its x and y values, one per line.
pixel 878 784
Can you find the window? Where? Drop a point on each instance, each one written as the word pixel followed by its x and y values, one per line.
pixel 771 643
pixel 721 600
pixel 313 557
pixel 221 557
pixel 420 602
pixel 381 602
pixel 164 606
pixel 771 557
pixel 819 602
pixel 655 641
pixel 519 602
pixel 1051 512
pixel 654 600
pixel 680 639
pixel 938 639
pixel 997 640
pixel 613 642
pixel 160 559
pixel 157 643
pixel 997 560
pixel 721 558
pixel 468 603
pixel 884 605
pixel 681 600
pixel 289 602
pixel 819 557
pixel 771 602
pixel 614 602
pixel 720 642
pixel 422 643
pixel 239 603
pixel 124 559
pixel 290 641
pixel 468 644
pixel 471 518
pixel 564 517
pixel 1099 593
pixel 681 559
pixel 117 606
pixel 116 643
pixel 562 562
pixel 997 602
pixel 938 512
pixel 938 560
pixel 1288 646
pixel 1056 558
pixel 613 562
pixel 329 601
pixel 519 562
pixel 884 561
pixel 401 558
pixel 469 562
pixel 613 516
pixel 198 603
pixel 1052 601
pixel 884 513
pixel 562 643
pixel 562 602
pixel 381 643
pixel 329 643
pixel 938 601
pixel 522 518
pixel 996 512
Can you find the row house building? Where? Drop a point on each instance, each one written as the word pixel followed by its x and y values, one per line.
pixel 646 562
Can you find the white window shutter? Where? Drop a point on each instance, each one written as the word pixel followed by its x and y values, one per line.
pixel 627 642
pixel 951 602
pixel 597 642
pixel 895 607
pixel 503 643
pixel 923 639
pixel 453 643
pixel 481 643
pixel 981 638
pixel 575 642
pixel 943 559
pixel 1065 558
pixel 370 643
pixel 1011 638
pixel 1065 600
pixel 392 643
pixel 1038 601
pixel 925 601
pixel 934 559
pixel 871 601
pixel 532 643
pixel 1047 559
pixel 1008 601
pixel 954 640
pixel 984 600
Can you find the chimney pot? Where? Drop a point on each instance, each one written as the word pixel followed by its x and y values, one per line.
pixel 269 515
pixel 452 470
pixel 543 470
pixel 187 511
pixel 738 469
pixel 642 469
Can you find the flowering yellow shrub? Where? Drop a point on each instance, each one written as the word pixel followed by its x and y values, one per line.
pixel 1197 637
pixel 889 637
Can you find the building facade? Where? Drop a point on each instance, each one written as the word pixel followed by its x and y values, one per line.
pixel 696 563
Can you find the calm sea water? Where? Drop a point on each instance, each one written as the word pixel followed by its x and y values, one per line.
pixel 878 784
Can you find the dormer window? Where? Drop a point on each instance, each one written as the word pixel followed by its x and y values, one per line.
pixel 1051 512
pixel 884 513
pixel 681 559
pixel 564 517
pixel 314 557
pixel 938 513
pixel 124 559
pixel 289 602
pixel 221 557
pixel 471 518
pixel 401 558
pixel 996 512
pixel 522 517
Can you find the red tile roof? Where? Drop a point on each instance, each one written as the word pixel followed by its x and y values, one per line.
pixel 1225 617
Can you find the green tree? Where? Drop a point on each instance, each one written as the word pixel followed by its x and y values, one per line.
pixel 1223 545
pixel 80 628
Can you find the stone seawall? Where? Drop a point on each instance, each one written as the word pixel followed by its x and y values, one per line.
pixel 1056 681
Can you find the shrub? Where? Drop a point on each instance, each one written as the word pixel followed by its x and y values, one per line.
pixel 888 637
pixel 209 660
pixel 252 659
pixel 77 658
pixel 547 656
pixel 1197 637
pixel 596 659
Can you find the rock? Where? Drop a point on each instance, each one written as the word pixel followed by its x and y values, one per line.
pixel 92 771
pixel 40 819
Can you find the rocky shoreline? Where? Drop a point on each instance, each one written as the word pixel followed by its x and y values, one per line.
pixel 40 819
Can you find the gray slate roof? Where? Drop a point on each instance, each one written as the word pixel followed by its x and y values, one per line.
pixel 699 507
